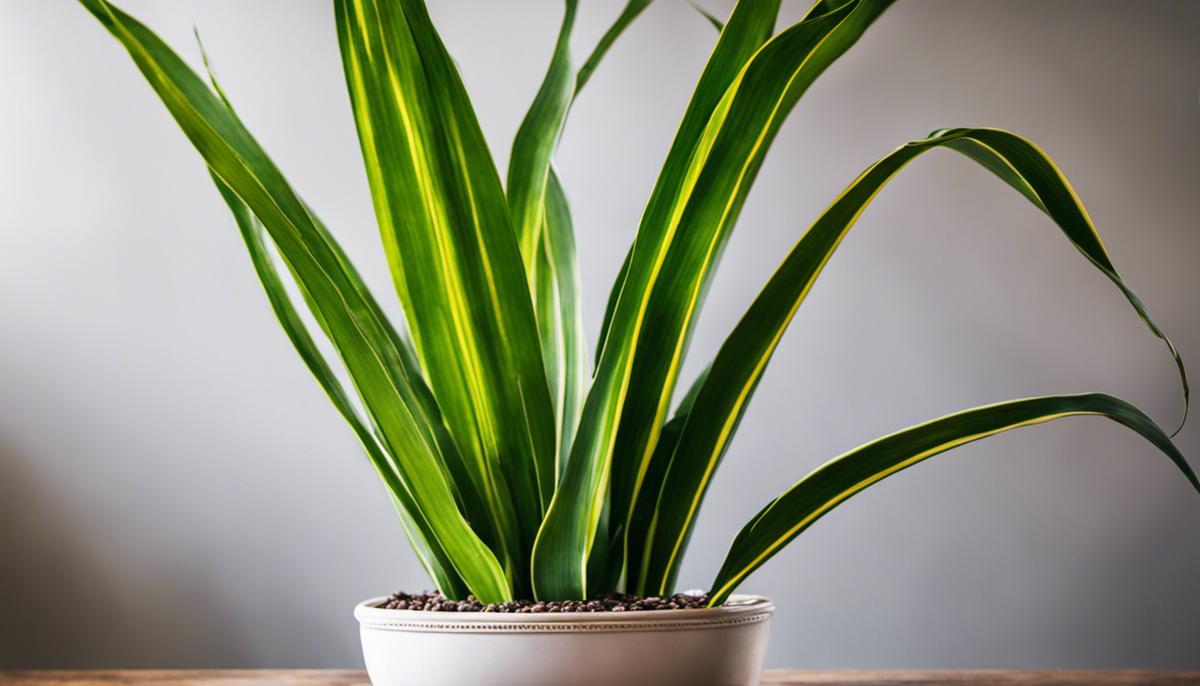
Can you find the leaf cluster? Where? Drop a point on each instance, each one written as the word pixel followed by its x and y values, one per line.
pixel 521 462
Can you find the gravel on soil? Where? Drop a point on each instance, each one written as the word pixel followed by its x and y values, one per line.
pixel 434 601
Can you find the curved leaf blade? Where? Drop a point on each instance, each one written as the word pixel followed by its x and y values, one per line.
pixel 743 358
pixel 1021 164
pixel 833 483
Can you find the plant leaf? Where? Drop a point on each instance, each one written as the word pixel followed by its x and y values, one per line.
pixel 833 483
pixel 642 524
pixel 743 357
pixel 533 147
pixel 471 502
pixel 701 217
pixel 542 219
pixel 560 316
pixel 556 277
pixel 360 338
pixel 560 555
pixel 708 16
pixel 631 11
pixel 823 7
pixel 433 558
pixel 535 193
pixel 1024 166
pixel 454 258
pixel 429 551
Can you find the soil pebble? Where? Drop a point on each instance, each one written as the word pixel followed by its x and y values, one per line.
pixel 434 601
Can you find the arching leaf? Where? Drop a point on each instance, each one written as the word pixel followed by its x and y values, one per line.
pixel 836 481
pixel 743 358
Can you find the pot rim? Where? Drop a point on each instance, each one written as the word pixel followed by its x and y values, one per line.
pixel 739 609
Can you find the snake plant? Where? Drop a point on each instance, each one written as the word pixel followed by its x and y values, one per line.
pixel 521 464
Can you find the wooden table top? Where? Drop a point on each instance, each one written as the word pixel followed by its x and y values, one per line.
pixel 786 677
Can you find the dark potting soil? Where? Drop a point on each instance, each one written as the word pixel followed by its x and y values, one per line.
pixel 612 602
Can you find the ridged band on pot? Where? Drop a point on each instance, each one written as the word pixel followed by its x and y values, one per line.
pixel 739 609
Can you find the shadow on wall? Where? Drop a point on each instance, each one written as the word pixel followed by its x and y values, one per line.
pixel 62 606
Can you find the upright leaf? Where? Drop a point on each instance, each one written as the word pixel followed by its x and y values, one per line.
pixel 554 273
pixel 818 8
pixel 371 359
pixel 742 359
pixel 542 219
pixel 560 317
pixel 454 258
pixel 754 25
pixel 836 481
pixel 565 540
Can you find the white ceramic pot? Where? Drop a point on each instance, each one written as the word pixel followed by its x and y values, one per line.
pixel 722 646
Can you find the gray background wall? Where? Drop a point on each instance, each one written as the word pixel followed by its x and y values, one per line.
pixel 175 491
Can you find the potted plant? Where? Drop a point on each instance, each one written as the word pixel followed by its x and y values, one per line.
pixel 551 493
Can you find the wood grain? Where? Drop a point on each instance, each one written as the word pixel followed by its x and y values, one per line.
pixel 187 677
pixel 320 677
pixel 980 677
